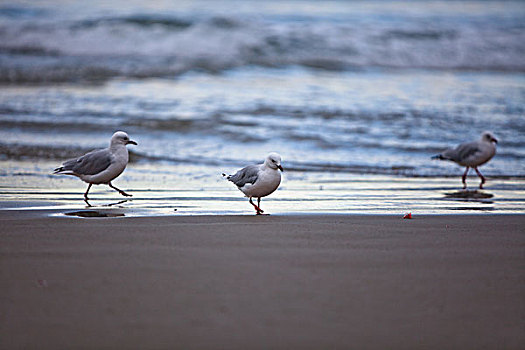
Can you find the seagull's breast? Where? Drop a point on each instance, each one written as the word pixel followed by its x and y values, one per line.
pixel 268 181
pixel 119 161
pixel 121 157
pixel 487 151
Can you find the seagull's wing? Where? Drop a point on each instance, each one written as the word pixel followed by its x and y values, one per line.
pixel 464 152
pixel 246 175
pixel 91 163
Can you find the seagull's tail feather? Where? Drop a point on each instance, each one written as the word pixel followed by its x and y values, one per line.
pixel 440 157
pixel 58 170
pixel 62 171
pixel 65 169
pixel 226 176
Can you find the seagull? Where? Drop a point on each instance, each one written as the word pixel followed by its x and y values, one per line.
pixel 100 166
pixel 259 180
pixel 472 154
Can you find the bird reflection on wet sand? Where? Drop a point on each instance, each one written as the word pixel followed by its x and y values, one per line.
pixel 93 214
pixel 89 205
pixel 470 196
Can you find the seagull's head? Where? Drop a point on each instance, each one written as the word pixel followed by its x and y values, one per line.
pixel 487 136
pixel 121 138
pixel 273 160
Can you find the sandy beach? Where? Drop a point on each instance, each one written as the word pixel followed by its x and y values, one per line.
pixel 246 282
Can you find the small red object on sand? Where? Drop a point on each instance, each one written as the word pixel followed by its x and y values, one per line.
pixel 408 216
pixel 42 283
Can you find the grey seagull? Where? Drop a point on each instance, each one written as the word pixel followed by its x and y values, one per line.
pixel 259 180
pixel 472 155
pixel 100 166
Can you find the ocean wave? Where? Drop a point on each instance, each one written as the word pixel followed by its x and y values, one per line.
pixel 232 148
pixel 153 45
pixel 40 152
pixel 172 23
pixel 21 12
pixel 19 151
pixel 35 152
pixel 317 128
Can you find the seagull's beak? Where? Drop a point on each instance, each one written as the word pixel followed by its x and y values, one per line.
pixel 131 142
pixel 493 139
pixel 280 167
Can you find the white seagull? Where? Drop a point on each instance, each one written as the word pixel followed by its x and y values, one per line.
pixel 259 180
pixel 472 154
pixel 100 166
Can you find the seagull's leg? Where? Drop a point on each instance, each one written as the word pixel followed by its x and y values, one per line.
pixel 255 206
pixel 465 178
pixel 259 204
pixel 119 190
pixel 257 209
pixel 481 176
pixel 85 194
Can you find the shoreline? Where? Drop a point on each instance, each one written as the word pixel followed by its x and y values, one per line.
pixel 335 195
pixel 103 213
pixel 280 281
pixel 197 190
pixel 193 190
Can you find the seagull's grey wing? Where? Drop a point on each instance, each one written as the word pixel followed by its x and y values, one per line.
pixel 246 175
pixel 89 164
pixel 463 152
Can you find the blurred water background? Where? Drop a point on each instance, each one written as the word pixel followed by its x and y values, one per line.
pixel 355 95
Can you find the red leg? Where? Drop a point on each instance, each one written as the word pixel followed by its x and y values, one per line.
pixel 464 178
pixel 257 209
pixel 259 204
pixel 481 176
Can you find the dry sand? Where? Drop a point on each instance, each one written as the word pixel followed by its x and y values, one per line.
pixel 278 282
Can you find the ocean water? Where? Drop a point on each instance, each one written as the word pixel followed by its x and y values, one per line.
pixel 355 95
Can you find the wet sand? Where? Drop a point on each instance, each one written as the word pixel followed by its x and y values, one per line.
pixel 162 193
pixel 246 282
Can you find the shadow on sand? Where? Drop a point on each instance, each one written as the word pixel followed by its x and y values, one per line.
pixel 471 196
pixel 468 195
pixel 108 205
pixel 90 212
pixel 93 214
